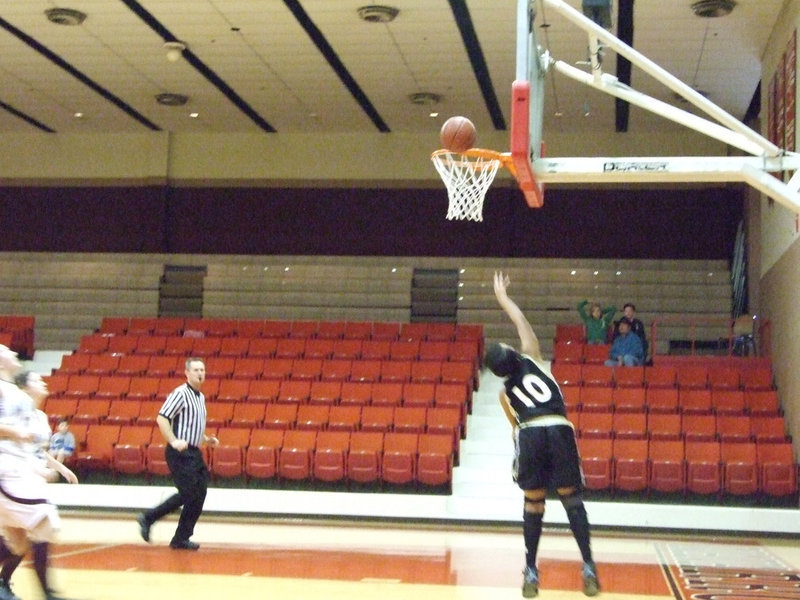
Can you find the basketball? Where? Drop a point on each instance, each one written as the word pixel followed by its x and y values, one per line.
pixel 458 134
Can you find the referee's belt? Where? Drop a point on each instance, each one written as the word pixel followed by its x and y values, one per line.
pixel 546 421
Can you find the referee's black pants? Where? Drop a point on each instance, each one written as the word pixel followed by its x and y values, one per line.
pixel 190 475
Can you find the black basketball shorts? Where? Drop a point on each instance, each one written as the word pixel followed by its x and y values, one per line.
pixel 547 457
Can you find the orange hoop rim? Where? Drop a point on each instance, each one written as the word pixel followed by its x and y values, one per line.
pixel 503 157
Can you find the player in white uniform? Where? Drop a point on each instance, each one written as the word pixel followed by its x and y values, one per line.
pixel 28 519
pixel 546 454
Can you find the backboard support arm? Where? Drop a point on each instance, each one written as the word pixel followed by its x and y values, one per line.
pixel 754 170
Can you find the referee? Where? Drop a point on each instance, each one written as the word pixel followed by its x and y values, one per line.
pixel 182 421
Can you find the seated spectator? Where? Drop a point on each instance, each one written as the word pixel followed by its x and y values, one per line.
pixel 637 327
pixel 597 321
pixel 62 443
pixel 626 350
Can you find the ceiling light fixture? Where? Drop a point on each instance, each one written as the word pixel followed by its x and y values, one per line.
pixel 713 8
pixel 65 16
pixel 174 50
pixel 171 99
pixel 378 14
pixel 425 98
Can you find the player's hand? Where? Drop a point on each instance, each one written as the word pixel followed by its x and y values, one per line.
pixel 179 445
pixel 501 283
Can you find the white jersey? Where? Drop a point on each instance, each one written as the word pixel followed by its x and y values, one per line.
pixel 16 410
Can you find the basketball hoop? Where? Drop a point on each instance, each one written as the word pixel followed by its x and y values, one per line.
pixel 468 176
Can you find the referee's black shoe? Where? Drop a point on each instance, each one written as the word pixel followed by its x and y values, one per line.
pixel 144 527
pixel 183 545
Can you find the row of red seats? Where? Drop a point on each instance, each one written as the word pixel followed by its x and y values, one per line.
pixel 17 333
pixel 693 427
pixel 262 391
pixel 700 467
pixel 398 458
pixel 420 371
pixel 215 327
pixel 415 419
pixel 688 376
pixel 463 350
pixel 665 400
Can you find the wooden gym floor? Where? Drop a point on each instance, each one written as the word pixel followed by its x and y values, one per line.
pixel 100 556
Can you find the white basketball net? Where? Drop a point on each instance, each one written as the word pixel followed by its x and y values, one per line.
pixel 467 177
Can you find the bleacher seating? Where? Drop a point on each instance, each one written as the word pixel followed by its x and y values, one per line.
pixel 296 386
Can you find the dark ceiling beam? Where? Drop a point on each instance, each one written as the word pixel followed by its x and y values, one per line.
pixel 475 53
pixel 336 64
pixel 200 66
pixel 80 76
pixel 624 33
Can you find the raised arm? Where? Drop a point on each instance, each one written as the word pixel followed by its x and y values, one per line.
pixel 529 343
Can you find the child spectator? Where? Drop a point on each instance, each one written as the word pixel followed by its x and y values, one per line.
pixel 62 443
pixel 597 321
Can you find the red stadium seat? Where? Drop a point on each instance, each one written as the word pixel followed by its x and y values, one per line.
pixel 330 455
pixel 91 410
pixel 568 352
pixel 330 330
pixel 597 461
pixel 325 392
pixel 319 348
pixel 740 468
pixel 247 415
pixel 703 471
pixel 280 416
pixel 733 428
pixel 75 364
pixel 364 459
pixel 344 418
pixel 250 328
pixel 123 412
pixel 399 457
pixel 435 459
pixel 356 393
pixel 778 470
pixel 628 399
pixel 660 376
pixel 263 391
pixel 261 457
pixel 312 416
pixel 387 394
pixel 248 368
pixel 665 426
pixel 692 376
pixel 631 468
pixel 290 348
pixel 296 454
pixel 336 369
pixel 667 467
pixel 133 365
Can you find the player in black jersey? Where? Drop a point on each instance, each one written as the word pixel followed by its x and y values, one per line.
pixel 546 454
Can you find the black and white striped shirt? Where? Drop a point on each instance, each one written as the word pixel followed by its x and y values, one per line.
pixel 185 408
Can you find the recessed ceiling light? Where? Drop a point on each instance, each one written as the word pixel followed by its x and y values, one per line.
pixel 65 16
pixel 713 8
pixel 378 14
pixel 425 98
pixel 170 99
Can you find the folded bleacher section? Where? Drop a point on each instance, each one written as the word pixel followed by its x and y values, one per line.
pixel 312 401
pixel 697 426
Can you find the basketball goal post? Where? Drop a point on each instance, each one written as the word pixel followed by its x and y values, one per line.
pixel 532 170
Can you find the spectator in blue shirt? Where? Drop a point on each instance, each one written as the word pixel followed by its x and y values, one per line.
pixel 626 350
